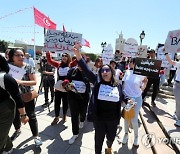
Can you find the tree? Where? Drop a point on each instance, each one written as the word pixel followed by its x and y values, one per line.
pixel 3 45
pixel 92 56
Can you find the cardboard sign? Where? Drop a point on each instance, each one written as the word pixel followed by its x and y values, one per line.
pixel 107 54
pixel 16 72
pixel 130 48
pixel 162 57
pixel 147 67
pixel 172 44
pixel 59 41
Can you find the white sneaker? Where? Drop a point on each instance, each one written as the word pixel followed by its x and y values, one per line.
pixel 81 124
pixel 8 152
pixel 125 138
pixel 37 141
pixel 177 123
pixel 72 139
pixel 136 141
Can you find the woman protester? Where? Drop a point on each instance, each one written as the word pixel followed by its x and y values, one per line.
pixel 60 93
pixel 16 57
pixel 176 88
pixel 78 98
pixel 9 100
pixel 133 86
pixel 105 104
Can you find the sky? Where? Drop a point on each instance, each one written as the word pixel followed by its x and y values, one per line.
pixel 98 20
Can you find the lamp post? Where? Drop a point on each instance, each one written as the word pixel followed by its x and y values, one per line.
pixel 103 44
pixel 141 36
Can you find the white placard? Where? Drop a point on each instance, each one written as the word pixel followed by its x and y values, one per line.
pixel 142 51
pixel 59 41
pixel 172 44
pixel 130 48
pixel 80 86
pixel 63 71
pixel 16 72
pixel 162 57
pixel 59 86
pixel 108 93
pixel 107 54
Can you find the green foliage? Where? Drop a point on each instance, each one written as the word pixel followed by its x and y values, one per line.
pixel 92 56
pixel 3 45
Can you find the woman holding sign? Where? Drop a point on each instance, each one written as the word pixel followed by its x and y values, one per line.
pixel 105 104
pixel 176 88
pixel 133 86
pixel 26 83
pixel 60 93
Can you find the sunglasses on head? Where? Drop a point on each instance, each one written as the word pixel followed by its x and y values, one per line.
pixel 105 70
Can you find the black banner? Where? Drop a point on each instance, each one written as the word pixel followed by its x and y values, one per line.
pixel 147 67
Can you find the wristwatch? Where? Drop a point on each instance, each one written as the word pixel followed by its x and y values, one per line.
pixel 23 115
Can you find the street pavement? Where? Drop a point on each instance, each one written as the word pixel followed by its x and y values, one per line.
pixel 55 138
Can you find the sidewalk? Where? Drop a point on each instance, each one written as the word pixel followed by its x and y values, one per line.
pixel 55 138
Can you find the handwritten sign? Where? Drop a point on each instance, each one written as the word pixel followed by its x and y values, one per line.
pixel 162 57
pixel 59 41
pixel 63 71
pixel 80 86
pixel 172 44
pixel 108 93
pixel 130 48
pixel 16 72
pixel 142 51
pixel 107 54
pixel 147 67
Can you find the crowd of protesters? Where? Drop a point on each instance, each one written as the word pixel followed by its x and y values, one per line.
pixel 87 89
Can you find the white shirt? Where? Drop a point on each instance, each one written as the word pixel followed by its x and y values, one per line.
pixel 117 75
pixel 132 84
pixel 177 65
pixel 29 61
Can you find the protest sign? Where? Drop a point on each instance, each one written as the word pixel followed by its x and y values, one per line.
pixel 147 67
pixel 130 48
pixel 142 51
pixel 16 72
pixel 59 41
pixel 107 54
pixel 162 57
pixel 172 44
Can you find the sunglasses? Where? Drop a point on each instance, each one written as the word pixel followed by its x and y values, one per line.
pixel 64 56
pixel 19 55
pixel 105 70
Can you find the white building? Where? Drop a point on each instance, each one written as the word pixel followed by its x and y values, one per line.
pixel 119 45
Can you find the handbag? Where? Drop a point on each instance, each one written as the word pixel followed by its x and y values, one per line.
pixel 128 114
pixel 29 96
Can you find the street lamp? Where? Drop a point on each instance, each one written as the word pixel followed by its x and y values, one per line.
pixel 141 36
pixel 103 44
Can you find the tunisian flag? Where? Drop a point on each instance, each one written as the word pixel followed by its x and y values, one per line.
pixel 84 42
pixel 43 21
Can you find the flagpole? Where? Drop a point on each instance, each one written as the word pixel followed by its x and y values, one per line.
pixel 34 42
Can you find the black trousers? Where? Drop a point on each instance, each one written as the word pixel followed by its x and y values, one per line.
pixel 102 129
pixel 30 110
pixel 78 108
pixel 58 97
pixel 171 75
pixel 155 83
pixel 48 84
pixel 7 111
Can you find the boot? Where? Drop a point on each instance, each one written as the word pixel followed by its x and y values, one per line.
pixel 108 151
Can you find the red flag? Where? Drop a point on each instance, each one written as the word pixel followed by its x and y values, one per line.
pixel 84 42
pixel 42 20
pixel 64 29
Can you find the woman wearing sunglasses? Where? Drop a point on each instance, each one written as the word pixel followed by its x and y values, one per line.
pixel 60 93
pixel 105 104
pixel 133 86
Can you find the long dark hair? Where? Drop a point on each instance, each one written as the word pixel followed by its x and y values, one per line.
pixel 113 81
pixel 4 67
pixel 12 52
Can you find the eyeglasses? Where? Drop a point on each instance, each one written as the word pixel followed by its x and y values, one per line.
pixel 64 56
pixel 105 70
pixel 19 55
